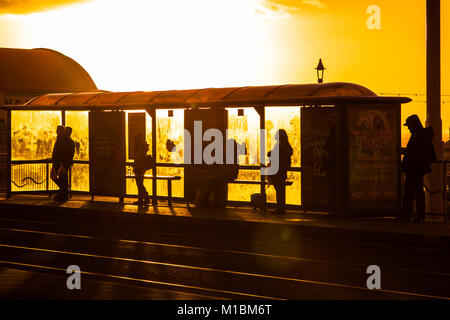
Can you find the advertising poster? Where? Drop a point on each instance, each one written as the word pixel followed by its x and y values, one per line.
pixel 3 156
pixel 316 126
pixel 107 153
pixel 373 157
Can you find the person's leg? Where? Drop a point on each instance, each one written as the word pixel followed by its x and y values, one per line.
pixel 146 198
pixel 420 198
pixel 63 184
pixel 140 186
pixel 55 180
pixel 408 197
pixel 280 189
pixel 64 180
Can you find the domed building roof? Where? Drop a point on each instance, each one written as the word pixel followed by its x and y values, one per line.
pixel 41 71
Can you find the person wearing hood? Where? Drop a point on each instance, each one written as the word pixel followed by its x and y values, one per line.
pixel 284 150
pixel 416 162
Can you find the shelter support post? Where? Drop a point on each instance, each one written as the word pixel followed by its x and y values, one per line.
pixel 433 8
pixel 444 189
pixel 152 114
pixel 63 118
pixel 340 188
pixel 262 143
pixel 8 165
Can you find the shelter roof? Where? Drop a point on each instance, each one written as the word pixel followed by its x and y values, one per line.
pixel 293 94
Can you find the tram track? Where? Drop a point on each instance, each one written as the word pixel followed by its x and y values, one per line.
pixel 222 270
pixel 288 286
pixel 301 250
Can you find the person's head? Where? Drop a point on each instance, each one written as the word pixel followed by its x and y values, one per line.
pixel 68 131
pixel 413 123
pixel 60 131
pixel 281 136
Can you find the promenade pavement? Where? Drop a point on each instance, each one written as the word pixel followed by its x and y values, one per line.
pixel 433 232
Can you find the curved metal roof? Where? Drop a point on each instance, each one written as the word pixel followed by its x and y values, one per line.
pixel 41 71
pixel 263 95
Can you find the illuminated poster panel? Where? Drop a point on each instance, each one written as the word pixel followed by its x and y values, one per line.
pixel 136 126
pixel 373 144
pixel 107 153
pixel 316 128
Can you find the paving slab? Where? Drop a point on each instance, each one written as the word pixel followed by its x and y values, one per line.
pixel 433 231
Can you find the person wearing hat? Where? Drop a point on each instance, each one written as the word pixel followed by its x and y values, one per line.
pixel 416 162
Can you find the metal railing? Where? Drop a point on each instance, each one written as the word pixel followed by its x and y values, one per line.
pixel 31 175
pixel 34 176
pixel 445 186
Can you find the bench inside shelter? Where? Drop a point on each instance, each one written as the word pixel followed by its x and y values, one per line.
pixel 169 180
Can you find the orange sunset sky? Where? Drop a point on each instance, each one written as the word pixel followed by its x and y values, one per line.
pixel 179 44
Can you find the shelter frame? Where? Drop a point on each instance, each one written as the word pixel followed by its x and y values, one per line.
pixel 338 94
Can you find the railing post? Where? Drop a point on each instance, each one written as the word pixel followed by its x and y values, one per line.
pixel 444 191
pixel 47 176
pixel 9 154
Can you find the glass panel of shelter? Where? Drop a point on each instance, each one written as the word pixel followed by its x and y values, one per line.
pixel 244 127
pixel 78 121
pixel 33 134
pixel 287 118
pixel 170 126
pixel 131 188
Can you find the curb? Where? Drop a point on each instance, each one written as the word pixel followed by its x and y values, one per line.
pixel 273 231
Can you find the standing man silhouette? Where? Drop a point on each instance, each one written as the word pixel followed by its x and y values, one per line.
pixel 61 159
pixel 418 156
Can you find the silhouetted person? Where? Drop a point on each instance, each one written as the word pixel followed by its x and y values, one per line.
pixel 330 163
pixel 223 174
pixel 284 150
pixel 61 159
pixel 418 156
pixel 142 162
pixel 68 131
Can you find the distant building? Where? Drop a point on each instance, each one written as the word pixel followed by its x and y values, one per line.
pixel 28 73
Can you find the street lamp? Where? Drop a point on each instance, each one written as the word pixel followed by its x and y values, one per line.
pixel 320 71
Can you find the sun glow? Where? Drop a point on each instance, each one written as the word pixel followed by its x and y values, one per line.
pixel 153 45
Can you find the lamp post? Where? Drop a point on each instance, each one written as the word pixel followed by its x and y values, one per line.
pixel 433 8
pixel 320 71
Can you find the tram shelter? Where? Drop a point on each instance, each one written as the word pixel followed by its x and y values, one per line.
pixel 367 135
